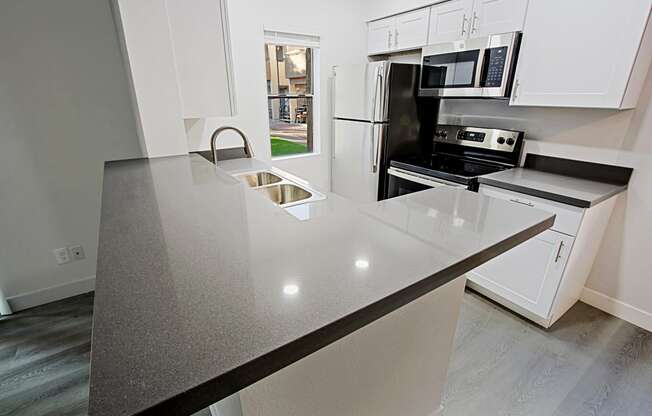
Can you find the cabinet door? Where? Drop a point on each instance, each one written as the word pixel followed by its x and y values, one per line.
pixel 450 21
pixel 529 274
pixel 202 54
pixel 411 30
pixel 584 58
pixel 497 16
pixel 380 34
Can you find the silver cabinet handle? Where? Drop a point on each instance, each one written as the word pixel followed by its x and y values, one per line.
pixel 395 37
pixel 518 201
pixel 475 19
pixel 389 39
pixel 464 20
pixel 558 256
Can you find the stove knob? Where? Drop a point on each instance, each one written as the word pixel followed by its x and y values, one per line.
pixel 510 141
pixel 501 140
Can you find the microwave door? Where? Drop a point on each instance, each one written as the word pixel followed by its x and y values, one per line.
pixel 453 74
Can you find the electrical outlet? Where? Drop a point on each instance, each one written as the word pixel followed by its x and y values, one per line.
pixel 77 252
pixel 61 255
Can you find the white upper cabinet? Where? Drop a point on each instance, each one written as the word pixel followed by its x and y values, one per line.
pixel 497 16
pixel 398 33
pixel 450 20
pixel 202 55
pixel 461 19
pixel 380 35
pixel 411 29
pixel 591 53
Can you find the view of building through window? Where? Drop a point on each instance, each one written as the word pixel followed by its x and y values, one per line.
pixel 289 98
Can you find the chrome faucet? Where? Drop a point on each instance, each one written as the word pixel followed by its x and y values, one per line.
pixel 247 146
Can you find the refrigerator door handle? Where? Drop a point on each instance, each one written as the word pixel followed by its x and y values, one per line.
pixel 377 147
pixel 374 101
pixel 372 147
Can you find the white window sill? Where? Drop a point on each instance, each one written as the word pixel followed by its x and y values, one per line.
pixel 297 156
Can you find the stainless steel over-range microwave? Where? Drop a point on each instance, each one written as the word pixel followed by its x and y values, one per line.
pixel 480 67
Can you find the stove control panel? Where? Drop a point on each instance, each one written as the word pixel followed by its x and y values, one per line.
pixel 493 139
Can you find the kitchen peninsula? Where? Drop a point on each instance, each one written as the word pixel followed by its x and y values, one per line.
pixel 205 288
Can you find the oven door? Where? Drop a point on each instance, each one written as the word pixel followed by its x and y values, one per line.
pixel 402 182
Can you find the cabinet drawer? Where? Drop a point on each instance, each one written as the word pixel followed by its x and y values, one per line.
pixel 568 218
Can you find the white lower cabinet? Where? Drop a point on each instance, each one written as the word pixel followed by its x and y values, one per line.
pixel 544 276
pixel 530 273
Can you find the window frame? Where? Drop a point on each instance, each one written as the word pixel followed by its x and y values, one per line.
pixel 302 41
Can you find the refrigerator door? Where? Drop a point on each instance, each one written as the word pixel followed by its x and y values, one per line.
pixel 355 154
pixel 360 91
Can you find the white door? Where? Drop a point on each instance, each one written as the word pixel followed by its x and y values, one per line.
pixel 450 21
pixel 497 16
pixel 352 162
pixel 578 56
pixel 411 29
pixel 380 35
pixel 529 274
pixel 357 89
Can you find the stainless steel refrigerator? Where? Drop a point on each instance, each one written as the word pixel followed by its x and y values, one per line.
pixel 377 115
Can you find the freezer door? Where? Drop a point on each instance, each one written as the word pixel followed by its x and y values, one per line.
pixel 355 154
pixel 360 91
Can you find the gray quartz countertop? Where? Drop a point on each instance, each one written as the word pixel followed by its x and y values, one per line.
pixel 561 188
pixel 204 286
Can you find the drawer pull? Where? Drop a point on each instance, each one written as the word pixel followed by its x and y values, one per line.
pixel 529 204
pixel 558 256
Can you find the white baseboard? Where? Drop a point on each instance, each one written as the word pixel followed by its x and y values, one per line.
pixel 51 294
pixel 622 310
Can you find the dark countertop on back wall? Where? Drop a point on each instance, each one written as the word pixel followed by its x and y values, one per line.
pixel 204 286
pixel 578 183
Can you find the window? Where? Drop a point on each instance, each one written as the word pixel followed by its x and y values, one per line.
pixel 289 65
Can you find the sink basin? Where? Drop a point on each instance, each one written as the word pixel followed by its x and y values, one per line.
pixel 259 179
pixel 285 193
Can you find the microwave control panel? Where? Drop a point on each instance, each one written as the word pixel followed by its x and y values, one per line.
pixel 496 58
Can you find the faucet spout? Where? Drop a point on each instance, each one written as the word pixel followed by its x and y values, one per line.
pixel 247 146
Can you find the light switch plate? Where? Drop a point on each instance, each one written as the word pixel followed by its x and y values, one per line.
pixel 61 255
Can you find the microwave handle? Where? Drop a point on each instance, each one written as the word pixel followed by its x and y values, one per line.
pixel 478 70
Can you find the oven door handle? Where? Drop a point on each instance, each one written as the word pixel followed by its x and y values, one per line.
pixel 433 183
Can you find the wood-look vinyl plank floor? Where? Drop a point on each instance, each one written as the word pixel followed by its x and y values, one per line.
pixel 589 363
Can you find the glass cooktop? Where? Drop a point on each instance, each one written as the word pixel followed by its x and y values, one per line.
pixel 458 169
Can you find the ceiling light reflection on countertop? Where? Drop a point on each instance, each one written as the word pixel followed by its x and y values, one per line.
pixel 362 264
pixel 290 289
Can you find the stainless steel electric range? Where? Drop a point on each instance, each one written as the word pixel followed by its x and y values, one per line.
pixel 460 155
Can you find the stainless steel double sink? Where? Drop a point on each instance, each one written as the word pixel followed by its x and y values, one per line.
pixel 279 190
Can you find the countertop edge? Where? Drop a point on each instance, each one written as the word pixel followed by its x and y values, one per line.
pixel 581 203
pixel 231 382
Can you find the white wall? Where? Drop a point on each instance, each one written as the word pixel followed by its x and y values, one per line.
pixel 342 34
pixel 374 9
pixel 621 275
pixel 64 110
